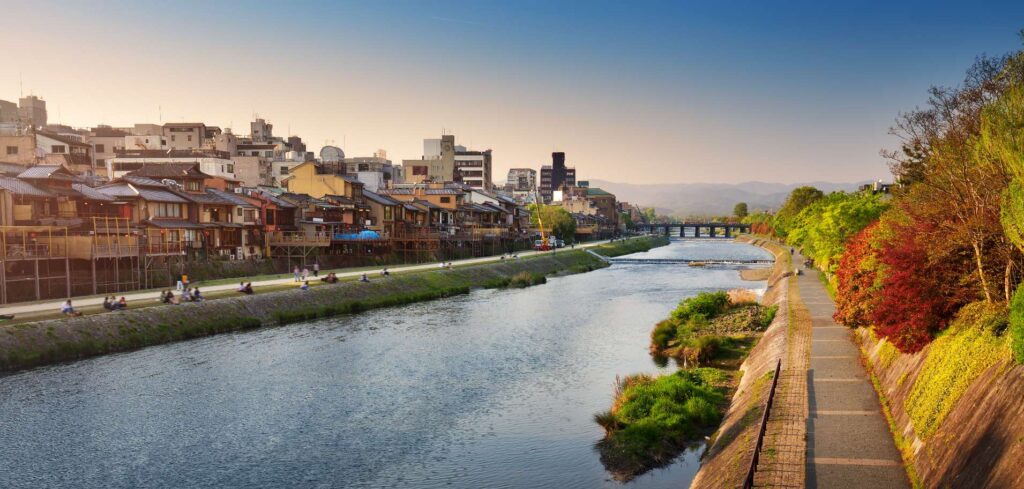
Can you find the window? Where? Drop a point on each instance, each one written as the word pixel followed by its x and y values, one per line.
pixel 58 148
pixel 283 170
pixel 387 213
pixel 446 200
pixel 164 209
pixel 239 211
pixel 419 170
pixel 231 168
pixel 189 137
pixel 268 154
pixel 250 215
pixel 192 185
pixel 172 138
pixel 12 150
pixel 364 167
pixel 101 163
pixel 100 148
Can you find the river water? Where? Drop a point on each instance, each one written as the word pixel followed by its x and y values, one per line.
pixel 493 389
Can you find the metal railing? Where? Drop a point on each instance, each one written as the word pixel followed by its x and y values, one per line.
pixel 749 481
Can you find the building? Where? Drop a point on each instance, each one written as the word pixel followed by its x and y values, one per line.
pixel 32 111
pixel 376 172
pixel 521 180
pixel 184 135
pixel 473 168
pixel 211 162
pixel 9 113
pixel 555 177
pixel 106 142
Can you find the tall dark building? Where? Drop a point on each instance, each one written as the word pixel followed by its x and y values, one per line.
pixel 556 176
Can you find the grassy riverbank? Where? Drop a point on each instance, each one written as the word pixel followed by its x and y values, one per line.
pixel 653 418
pixel 50 341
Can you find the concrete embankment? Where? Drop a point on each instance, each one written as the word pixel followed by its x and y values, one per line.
pixel 57 340
pixel 954 409
pixel 725 463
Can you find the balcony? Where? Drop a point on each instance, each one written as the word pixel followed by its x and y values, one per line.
pixel 281 238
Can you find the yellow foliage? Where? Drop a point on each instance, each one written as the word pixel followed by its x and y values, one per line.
pixel 954 361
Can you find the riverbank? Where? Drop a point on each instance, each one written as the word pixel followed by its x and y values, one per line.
pixel 954 407
pixel 652 419
pixel 51 341
pixel 729 452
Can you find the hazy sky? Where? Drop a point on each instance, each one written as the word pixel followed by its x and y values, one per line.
pixel 640 92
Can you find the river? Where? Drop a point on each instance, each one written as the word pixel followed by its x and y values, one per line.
pixel 492 389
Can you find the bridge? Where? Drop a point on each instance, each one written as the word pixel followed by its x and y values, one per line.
pixel 697 229
pixel 687 261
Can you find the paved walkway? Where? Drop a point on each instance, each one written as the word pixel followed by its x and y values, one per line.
pixel 848 440
pixel 150 295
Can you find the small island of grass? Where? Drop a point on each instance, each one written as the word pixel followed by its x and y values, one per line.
pixel 652 419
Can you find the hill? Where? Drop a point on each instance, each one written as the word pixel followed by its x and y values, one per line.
pixel 710 198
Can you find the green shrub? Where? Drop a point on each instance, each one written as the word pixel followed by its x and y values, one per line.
pixel 526 279
pixel 663 333
pixel 1017 325
pixel 709 304
pixel 652 420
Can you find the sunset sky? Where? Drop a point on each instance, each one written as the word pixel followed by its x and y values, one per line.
pixel 639 92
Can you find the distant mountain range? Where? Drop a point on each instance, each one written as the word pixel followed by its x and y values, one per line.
pixel 685 199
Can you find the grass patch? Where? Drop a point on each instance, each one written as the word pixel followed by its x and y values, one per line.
pixel 631 245
pixel 703 325
pixel 652 419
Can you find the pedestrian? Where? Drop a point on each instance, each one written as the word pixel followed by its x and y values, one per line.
pixel 316 269
pixel 68 310
pixel 305 273
pixel 296 273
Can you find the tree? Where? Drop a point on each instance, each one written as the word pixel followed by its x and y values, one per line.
pixel 740 211
pixel 557 221
pixel 856 276
pixel 798 200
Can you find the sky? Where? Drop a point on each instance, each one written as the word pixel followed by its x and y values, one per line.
pixel 638 92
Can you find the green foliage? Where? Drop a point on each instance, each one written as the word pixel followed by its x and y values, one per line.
pixel 798 199
pixel 663 333
pixel 1017 325
pixel 652 419
pixel 823 227
pixel 557 221
pixel 632 245
pixel 526 279
pixel 740 210
pixel 955 359
pixel 707 304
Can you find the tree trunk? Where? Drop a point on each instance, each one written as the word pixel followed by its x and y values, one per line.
pixel 981 271
pixel 1006 279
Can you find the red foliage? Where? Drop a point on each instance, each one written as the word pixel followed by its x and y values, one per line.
pixel 855 280
pixel 916 297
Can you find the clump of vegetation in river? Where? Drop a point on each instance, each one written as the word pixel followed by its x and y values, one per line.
pixel 653 418
pixel 632 245
pixel 709 325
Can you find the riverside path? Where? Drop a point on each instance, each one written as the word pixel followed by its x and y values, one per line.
pixel 848 440
pixel 151 295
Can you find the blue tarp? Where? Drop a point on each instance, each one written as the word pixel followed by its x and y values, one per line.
pixel 361 235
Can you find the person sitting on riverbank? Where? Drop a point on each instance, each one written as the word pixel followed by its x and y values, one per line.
pixel 305 285
pixel 68 310
pixel 169 298
pixel 165 297
pixel 196 296
pixel 108 304
pixel 330 278
pixel 364 278
pixel 247 289
pixel 385 273
pixel 122 304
